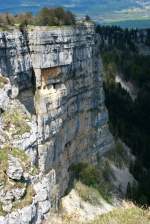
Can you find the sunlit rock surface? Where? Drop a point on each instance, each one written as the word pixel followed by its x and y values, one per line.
pixel 54 83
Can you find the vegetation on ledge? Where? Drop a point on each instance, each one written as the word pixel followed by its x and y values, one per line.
pixel 8 184
pixel 3 81
pixel 93 182
pixel 26 200
pixel 15 122
pixel 133 215
pixel 23 158
pixel 4 152
pixel 3 165
pixel 88 193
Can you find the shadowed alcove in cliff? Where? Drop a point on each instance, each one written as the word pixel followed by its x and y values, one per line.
pixel 27 90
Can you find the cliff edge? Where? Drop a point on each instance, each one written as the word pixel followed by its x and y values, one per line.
pixel 52 116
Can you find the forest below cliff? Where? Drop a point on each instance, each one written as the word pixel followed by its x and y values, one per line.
pixel 126 53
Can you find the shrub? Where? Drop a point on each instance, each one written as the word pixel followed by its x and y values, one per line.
pixel 45 17
pixel 16 122
pixel 95 178
pixel 87 18
pixel 6 19
pixel 54 17
pixel 24 19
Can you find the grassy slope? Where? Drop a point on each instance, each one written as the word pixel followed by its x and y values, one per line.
pixel 132 215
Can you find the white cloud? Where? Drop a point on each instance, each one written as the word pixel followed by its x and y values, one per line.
pixel 70 5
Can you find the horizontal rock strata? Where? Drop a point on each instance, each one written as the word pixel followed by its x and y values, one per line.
pixel 54 95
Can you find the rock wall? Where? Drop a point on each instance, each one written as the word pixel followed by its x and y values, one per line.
pixel 51 87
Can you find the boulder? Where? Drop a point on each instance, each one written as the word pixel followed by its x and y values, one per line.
pixel 27 214
pixel 18 193
pixel 44 206
pixel 15 170
pixel 41 192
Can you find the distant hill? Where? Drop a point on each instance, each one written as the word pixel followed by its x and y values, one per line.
pixel 140 24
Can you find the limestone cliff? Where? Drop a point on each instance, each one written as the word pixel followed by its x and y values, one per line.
pixel 52 114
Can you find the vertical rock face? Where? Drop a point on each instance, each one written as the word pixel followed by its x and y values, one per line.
pixel 72 119
pixel 54 76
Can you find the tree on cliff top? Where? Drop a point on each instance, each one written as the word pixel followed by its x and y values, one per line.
pixel 45 17
pixel 54 16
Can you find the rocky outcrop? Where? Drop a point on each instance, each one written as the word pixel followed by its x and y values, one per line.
pixel 15 170
pixel 52 109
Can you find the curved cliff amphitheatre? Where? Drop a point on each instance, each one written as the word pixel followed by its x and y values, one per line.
pixel 59 162
pixel 52 115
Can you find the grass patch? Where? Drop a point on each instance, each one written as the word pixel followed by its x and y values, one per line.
pixel 34 170
pixel 88 194
pixel 11 184
pixel 25 160
pixel 3 155
pixel 96 178
pixel 133 215
pixel 3 165
pixel 20 154
pixel 2 213
pixel 26 200
pixel 3 81
pixel 17 120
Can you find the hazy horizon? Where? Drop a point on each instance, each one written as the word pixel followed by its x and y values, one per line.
pixel 100 10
